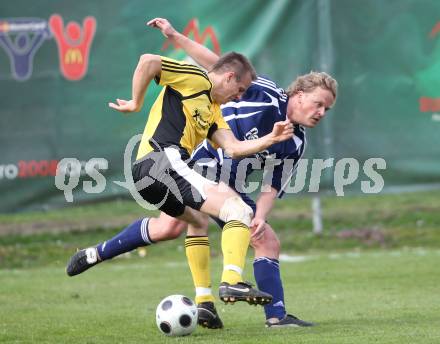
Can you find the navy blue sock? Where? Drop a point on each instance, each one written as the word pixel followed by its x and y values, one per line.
pixel 267 276
pixel 134 236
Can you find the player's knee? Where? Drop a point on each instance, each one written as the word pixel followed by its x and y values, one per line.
pixel 199 227
pixel 174 230
pixel 203 222
pixel 274 244
pixel 234 208
pixel 269 242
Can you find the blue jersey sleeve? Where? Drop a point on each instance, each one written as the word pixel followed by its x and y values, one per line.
pixel 205 151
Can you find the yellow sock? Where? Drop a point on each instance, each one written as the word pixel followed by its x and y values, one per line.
pixel 198 255
pixel 235 242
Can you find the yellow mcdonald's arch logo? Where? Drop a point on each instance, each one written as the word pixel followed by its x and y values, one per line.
pixel 73 55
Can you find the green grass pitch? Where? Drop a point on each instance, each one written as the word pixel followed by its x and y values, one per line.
pixel 377 296
pixel 371 277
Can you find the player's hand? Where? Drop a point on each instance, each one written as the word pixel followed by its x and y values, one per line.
pixel 282 131
pixel 124 105
pixel 258 226
pixel 164 26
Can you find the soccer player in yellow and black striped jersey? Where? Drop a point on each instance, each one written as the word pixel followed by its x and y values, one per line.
pixel 186 112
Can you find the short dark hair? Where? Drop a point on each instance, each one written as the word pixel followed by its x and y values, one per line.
pixel 235 62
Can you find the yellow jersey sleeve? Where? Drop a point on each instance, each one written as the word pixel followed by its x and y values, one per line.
pixel 219 123
pixel 183 77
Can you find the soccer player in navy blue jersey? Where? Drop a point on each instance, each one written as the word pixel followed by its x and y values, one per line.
pixel 253 115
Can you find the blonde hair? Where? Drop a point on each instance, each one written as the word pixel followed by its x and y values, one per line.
pixel 308 82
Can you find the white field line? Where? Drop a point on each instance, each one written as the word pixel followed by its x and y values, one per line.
pixel 285 258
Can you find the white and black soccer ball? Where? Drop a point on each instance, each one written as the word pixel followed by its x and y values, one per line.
pixel 176 315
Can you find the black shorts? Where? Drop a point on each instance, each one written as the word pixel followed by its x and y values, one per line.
pixel 167 180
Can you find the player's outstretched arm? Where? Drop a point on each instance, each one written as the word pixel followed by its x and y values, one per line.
pixel 236 149
pixel 148 67
pixel 202 55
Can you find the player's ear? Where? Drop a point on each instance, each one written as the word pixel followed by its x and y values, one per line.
pixel 230 76
pixel 299 96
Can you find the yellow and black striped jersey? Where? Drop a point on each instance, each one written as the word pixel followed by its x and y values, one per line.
pixel 183 114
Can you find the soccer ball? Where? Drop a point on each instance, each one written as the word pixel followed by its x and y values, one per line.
pixel 176 315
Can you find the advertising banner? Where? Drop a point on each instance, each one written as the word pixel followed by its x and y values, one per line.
pixel 62 62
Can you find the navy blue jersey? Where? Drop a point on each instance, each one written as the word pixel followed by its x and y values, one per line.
pixel 251 117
